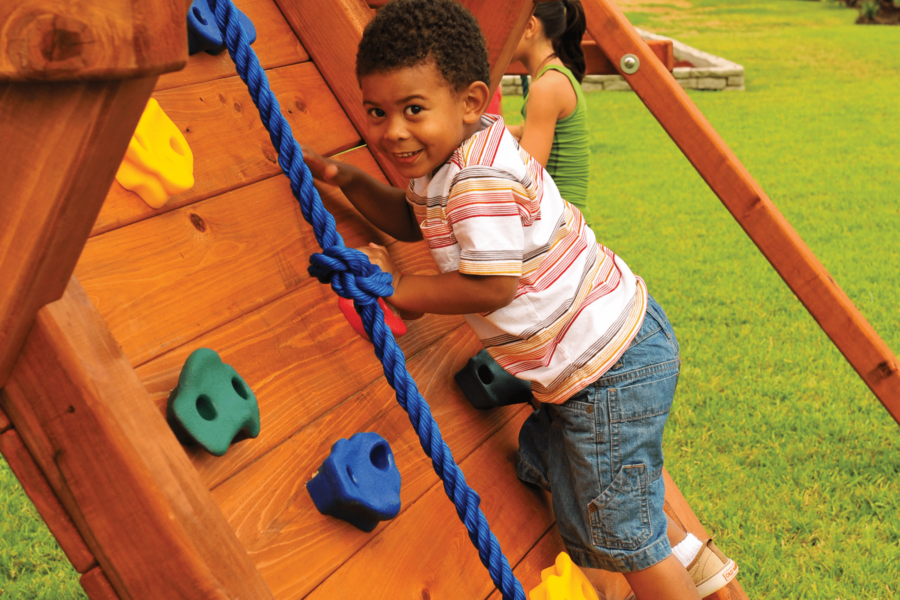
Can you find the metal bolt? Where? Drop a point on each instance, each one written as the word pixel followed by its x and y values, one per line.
pixel 630 64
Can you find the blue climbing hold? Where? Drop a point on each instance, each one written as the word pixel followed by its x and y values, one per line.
pixel 204 34
pixel 358 482
pixel 487 385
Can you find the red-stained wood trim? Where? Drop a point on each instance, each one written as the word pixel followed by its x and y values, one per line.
pixel 116 466
pixel 754 211
pixel 45 501
pixel 97 586
pixel 60 146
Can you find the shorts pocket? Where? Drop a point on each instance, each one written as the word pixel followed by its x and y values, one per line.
pixel 620 516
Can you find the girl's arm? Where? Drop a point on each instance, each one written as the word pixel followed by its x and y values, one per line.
pixel 383 205
pixel 550 98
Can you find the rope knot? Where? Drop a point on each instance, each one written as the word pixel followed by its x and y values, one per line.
pixel 350 274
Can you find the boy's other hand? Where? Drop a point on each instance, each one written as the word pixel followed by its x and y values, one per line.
pixel 324 169
pixel 379 255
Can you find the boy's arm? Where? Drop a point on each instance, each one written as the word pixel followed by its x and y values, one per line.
pixel 451 293
pixel 384 206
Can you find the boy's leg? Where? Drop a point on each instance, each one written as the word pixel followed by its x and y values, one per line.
pixel 666 580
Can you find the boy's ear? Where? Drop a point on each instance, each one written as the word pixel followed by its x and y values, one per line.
pixel 476 98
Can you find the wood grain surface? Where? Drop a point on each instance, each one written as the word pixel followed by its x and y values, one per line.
pixel 275 46
pixel 162 282
pixel 230 145
pixel 293 545
pixel 596 63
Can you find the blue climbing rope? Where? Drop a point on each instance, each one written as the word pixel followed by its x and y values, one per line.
pixel 352 276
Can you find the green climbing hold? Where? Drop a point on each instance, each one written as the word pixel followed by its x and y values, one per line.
pixel 211 403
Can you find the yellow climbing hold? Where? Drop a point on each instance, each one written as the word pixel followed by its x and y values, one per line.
pixel 158 162
pixel 563 581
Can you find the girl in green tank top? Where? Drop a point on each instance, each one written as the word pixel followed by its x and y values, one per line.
pixel 555 111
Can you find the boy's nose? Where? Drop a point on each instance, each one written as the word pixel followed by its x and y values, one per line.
pixel 396 131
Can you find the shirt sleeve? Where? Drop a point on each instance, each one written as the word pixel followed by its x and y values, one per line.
pixel 485 215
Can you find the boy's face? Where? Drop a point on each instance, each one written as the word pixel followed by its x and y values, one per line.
pixel 415 117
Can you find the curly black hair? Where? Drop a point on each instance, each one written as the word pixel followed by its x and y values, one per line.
pixel 405 33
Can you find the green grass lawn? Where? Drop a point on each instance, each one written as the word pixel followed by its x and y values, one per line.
pixel 780 448
pixel 778 445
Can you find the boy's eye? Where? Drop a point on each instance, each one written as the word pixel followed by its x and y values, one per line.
pixel 376 112
pixel 414 109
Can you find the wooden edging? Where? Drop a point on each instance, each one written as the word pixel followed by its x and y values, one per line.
pixel 116 466
pixel 45 501
pixel 749 205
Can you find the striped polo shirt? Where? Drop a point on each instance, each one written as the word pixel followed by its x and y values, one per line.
pixel 493 210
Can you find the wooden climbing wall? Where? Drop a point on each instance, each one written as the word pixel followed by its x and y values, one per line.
pixel 223 266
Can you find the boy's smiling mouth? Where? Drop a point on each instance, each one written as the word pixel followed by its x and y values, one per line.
pixel 405 156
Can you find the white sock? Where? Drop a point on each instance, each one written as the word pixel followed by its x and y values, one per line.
pixel 687 549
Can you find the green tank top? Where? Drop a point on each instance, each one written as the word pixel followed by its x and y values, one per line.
pixel 569 161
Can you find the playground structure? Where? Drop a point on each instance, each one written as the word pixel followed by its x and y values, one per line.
pixel 87 362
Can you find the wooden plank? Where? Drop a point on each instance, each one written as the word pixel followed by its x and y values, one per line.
pixel 429 549
pixel 60 145
pixel 231 147
pixel 609 585
pixel 45 501
pixel 269 508
pixel 97 586
pixel 164 281
pixel 596 63
pixel 112 457
pixel 74 40
pixel 275 45
pixel 754 211
pixel 288 352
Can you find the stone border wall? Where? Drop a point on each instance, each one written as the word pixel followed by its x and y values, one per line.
pixel 708 73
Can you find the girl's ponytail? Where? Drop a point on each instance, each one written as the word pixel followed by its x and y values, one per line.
pixel 564 25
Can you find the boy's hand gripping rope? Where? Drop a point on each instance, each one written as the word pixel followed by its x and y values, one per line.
pixel 352 276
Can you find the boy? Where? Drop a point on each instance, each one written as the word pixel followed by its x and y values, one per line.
pixel 549 303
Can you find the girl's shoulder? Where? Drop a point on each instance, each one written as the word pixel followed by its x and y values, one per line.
pixel 552 91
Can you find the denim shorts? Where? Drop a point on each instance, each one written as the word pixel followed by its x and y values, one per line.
pixel 600 455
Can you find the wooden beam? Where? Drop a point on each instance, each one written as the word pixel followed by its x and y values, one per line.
pixel 60 146
pixel 596 63
pixel 75 40
pixel 4 422
pixel 116 466
pixel 749 205
pixel 503 24
pixel 45 501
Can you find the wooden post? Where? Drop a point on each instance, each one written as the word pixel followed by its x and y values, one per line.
pixel 743 197
pixel 116 466
pixel 60 146
pixel 61 143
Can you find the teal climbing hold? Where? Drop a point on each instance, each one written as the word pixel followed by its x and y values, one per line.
pixel 211 403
